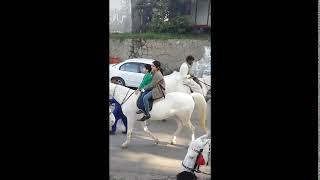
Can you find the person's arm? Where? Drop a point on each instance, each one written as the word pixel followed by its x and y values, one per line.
pixel 146 80
pixel 142 84
pixel 191 73
pixel 153 83
pixel 184 71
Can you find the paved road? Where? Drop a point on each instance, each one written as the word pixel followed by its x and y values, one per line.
pixel 144 160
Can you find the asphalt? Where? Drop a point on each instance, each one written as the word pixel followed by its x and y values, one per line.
pixel 144 160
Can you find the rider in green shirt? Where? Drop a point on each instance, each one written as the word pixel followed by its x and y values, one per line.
pixel 146 80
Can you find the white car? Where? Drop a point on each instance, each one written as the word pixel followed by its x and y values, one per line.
pixel 130 72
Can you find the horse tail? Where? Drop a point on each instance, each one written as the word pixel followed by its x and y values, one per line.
pixel 202 109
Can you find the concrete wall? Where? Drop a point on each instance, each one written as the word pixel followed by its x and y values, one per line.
pixel 170 52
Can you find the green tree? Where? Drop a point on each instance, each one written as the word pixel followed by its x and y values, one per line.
pixel 161 22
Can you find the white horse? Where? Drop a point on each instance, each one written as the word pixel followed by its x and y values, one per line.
pixel 174 83
pixel 198 155
pixel 176 104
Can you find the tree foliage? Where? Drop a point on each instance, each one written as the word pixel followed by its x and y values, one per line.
pixel 162 22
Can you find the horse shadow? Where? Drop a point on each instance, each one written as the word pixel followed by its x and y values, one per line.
pixel 144 144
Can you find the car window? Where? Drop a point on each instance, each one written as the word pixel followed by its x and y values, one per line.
pixel 141 67
pixel 130 67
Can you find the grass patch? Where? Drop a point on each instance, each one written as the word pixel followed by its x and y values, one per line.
pixel 160 36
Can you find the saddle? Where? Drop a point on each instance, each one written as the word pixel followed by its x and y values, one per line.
pixel 151 102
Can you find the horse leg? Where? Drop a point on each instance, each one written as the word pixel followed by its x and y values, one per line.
pixel 129 135
pixel 192 128
pixel 130 121
pixel 187 122
pixel 173 141
pixel 146 130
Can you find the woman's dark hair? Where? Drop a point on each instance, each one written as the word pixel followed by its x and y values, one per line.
pixel 148 67
pixel 158 65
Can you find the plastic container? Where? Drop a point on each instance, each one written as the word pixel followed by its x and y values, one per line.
pixel 114 60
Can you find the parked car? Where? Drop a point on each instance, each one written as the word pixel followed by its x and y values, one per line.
pixel 130 72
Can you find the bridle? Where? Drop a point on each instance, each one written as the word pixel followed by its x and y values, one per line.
pixel 125 99
pixel 204 82
pixel 196 166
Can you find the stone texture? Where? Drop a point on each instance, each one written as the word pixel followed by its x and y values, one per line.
pixel 170 52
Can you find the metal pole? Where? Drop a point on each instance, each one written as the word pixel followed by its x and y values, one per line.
pixel 209 7
pixel 141 16
pixel 195 16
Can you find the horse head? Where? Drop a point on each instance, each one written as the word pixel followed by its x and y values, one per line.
pixel 194 157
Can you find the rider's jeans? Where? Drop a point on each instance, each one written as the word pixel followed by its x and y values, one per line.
pixel 146 99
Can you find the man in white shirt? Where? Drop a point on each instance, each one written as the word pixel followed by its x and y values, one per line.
pixel 187 77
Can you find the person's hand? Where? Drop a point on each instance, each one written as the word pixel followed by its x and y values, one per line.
pixel 136 92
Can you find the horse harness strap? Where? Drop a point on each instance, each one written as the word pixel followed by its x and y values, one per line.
pixel 124 99
pixel 196 166
pixel 209 154
pixel 194 170
pixel 204 83
pixel 114 91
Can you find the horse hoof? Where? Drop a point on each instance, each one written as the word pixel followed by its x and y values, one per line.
pixel 173 143
pixel 157 141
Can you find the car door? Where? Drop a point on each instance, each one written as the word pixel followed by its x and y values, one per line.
pixel 130 74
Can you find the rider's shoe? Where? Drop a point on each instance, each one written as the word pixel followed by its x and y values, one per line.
pixel 145 117
pixel 139 111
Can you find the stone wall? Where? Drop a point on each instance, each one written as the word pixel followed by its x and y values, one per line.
pixel 169 52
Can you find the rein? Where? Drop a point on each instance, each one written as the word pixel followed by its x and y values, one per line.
pixel 194 170
pixel 204 83
pixel 124 99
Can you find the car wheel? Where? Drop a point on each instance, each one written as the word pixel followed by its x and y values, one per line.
pixel 120 81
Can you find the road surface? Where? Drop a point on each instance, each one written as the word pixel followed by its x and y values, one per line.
pixel 144 160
